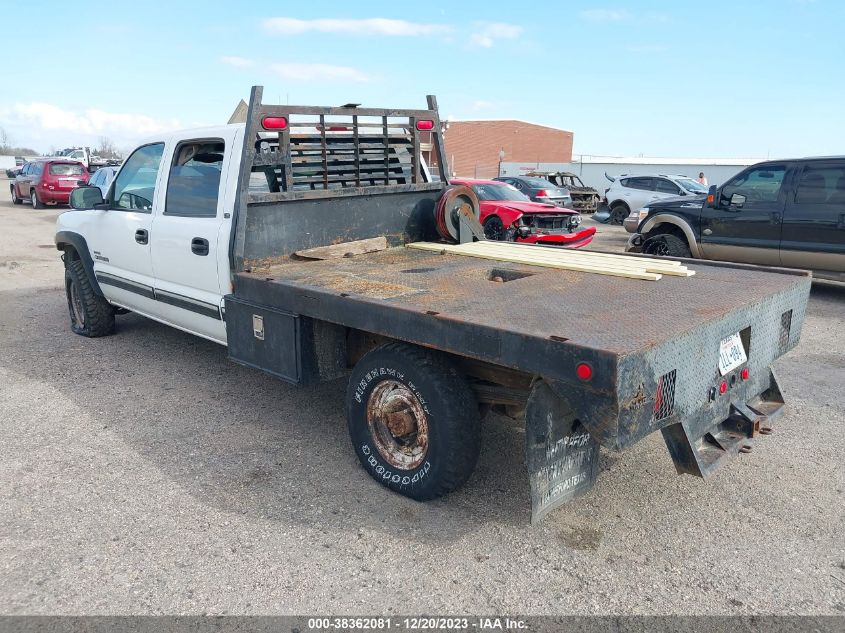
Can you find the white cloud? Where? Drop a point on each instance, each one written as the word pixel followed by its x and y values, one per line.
pixel 45 124
pixel 237 62
pixel 487 33
pixel 368 26
pixel 317 72
pixel 605 15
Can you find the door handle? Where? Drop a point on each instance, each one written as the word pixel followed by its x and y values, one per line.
pixel 708 231
pixel 142 236
pixel 199 246
pixel 776 217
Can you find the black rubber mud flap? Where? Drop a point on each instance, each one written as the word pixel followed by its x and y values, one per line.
pixel 561 454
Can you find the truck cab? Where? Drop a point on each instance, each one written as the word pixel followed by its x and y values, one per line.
pixel 159 240
pixel 779 213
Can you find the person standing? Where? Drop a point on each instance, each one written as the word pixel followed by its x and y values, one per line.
pixel 702 178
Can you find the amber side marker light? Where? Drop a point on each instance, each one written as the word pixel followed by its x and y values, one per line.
pixel 711 199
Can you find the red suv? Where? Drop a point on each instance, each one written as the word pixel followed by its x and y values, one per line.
pixel 47 182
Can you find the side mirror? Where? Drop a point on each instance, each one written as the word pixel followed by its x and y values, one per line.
pixel 713 197
pixel 737 200
pixel 86 197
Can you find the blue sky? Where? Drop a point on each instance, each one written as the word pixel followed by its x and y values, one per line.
pixel 703 79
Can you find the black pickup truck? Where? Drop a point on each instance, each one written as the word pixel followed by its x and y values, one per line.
pixel 778 213
pixel 285 238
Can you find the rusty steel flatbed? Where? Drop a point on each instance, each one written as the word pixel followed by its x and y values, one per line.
pixel 591 359
pixel 615 315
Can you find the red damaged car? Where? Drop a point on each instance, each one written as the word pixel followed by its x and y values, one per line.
pixel 508 215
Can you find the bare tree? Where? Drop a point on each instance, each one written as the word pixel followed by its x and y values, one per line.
pixel 4 139
pixel 106 148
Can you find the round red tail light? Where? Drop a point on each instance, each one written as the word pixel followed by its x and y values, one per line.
pixel 723 388
pixel 744 373
pixel 583 371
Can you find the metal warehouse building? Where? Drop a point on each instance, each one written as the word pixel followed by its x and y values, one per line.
pixel 475 149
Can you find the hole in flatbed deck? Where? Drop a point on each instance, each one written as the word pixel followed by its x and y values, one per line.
pixel 417 270
pixel 502 275
pixel 432 312
pixel 560 339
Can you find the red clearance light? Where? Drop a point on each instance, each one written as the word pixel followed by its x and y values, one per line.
pixel 744 373
pixel 425 125
pixel 723 388
pixel 583 371
pixel 274 122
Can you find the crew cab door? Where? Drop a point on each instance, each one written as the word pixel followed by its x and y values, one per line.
pixel 190 240
pixel 747 223
pixel 119 237
pixel 814 219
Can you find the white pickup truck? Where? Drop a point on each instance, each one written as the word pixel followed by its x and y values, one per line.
pixel 284 239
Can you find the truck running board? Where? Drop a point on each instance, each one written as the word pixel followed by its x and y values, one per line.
pixel 702 455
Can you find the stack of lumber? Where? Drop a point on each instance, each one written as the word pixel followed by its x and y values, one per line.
pixel 647 268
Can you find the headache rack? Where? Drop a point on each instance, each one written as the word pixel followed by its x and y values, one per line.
pixel 301 152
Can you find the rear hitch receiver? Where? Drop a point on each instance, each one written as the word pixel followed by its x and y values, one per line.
pixel 701 454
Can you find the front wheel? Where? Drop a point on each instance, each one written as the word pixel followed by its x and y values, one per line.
pixel 413 421
pixel 494 229
pixel 90 314
pixel 666 245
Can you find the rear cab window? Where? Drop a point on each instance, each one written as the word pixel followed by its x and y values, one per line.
pixel 821 184
pixel 193 185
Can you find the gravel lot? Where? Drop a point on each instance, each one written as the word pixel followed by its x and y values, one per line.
pixel 144 473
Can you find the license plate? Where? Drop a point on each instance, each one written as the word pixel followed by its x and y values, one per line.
pixel 68 183
pixel 731 354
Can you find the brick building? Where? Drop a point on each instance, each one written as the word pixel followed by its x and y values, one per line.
pixel 472 147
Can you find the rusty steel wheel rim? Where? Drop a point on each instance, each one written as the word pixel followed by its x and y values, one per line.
pixel 398 425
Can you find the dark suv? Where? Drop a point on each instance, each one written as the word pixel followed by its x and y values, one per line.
pixel 780 213
pixel 47 182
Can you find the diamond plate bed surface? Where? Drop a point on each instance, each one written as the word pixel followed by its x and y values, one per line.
pixel 608 313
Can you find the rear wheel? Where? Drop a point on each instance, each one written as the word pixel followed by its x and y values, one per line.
pixel 494 229
pixel 413 421
pixel 666 245
pixel 90 314
pixel 36 203
pixel 618 213
pixel 15 199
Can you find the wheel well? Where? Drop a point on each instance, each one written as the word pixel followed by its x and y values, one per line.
pixel 668 229
pixel 69 251
pixel 617 203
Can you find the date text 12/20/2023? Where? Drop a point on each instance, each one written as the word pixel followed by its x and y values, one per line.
pixel 416 624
